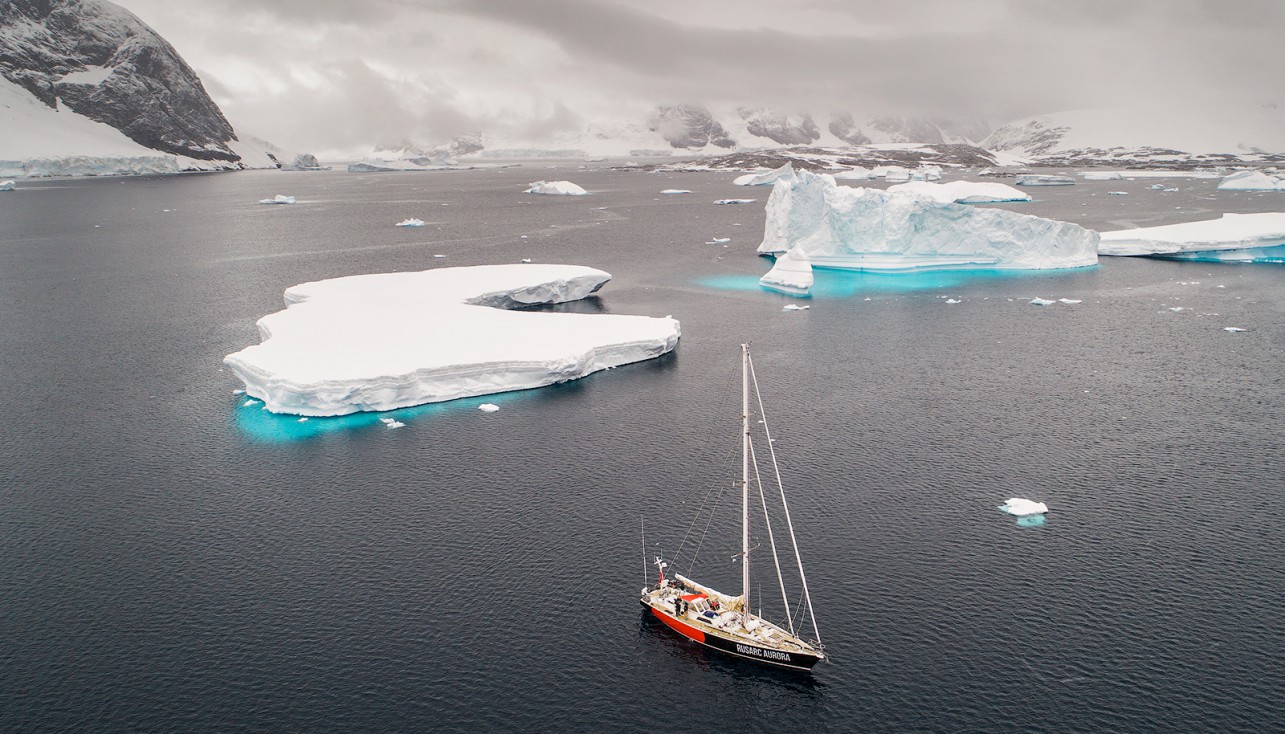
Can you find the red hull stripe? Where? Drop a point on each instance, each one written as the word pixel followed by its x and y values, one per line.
pixel 686 630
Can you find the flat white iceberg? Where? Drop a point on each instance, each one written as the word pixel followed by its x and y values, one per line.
pixel 1023 507
pixel 1041 302
pixel 893 174
pixel 735 201
pixel 488 407
pixel 1233 329
pixel 718 240
pixel 1039 179
pixel 1250 181
pixel 1230 238
pixel 412 222
pixel 903 231
pixel 7 185
pixel 1117 193
pixel 1103 176
pixel 963 192
pixel 676 191
pixel 392 340
pixel 856 173
pixel 766 179
pixel 1069 301
pixel 557 188
pixel 792 274
pixel 794 307
pixel 278 199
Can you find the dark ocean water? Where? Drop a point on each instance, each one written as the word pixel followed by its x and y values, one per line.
pixel 171 560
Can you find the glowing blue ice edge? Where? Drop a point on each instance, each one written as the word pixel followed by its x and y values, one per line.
pixel 1268 254
pixel 263 425
pixel 1025 521
pixel 831 283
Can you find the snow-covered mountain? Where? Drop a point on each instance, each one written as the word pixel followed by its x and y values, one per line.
pixel 87 87
pixel 1158 135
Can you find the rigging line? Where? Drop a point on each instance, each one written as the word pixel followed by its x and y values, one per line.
pixel 726 468
pixel 785 600
pixel 777 470
pixel 643 527
pixel 696 553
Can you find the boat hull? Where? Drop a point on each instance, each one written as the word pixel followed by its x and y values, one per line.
pixel 792 660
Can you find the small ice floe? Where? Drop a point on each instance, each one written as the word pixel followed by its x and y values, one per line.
pixel 1233 329
pixel 953 300
pixel 734 201
pixel 1036 179
pixel 391 422
pixel 1175 188
pixel 526 259
pixel 676 191
pixel 302 420
pixel 488 407
pixel 278 199
pixel 562 188
pixel 8 185
pixel 1103 176
pixel 718 240
pixel 1042 302
pixel 439 256
pixel 1118 193
pixel 249 402
pixel 1022 507
pixel 238 391
pixel 1068 300
pixel 795 307
pixel 1157 187
pixel 412 222
pixel 1179 309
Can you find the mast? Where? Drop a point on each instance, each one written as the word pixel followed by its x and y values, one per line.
pixel 745 483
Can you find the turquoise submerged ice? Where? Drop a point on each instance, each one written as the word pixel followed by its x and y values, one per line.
pixel 904 231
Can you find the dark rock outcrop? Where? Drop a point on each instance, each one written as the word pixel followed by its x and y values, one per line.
pixel 149 93
pixel 689 126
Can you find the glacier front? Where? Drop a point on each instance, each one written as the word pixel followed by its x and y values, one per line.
pixel 392 340
pixel 903 231
pixel 1231 238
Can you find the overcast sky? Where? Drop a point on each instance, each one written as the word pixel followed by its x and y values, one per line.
pixel 335 76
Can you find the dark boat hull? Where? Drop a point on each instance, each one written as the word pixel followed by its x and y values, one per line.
pixel 759 654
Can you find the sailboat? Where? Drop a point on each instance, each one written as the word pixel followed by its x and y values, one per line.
pixel 726 622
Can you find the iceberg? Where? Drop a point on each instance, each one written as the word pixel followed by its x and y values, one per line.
pixel 963 192
pixel 560 188
pixel 895 174
pixel 488 407
pixel 1023 507
pixel 1231 238
pixel 857 173
pixel 676 191
pixel 1233 329
pixel 766 179
pixel 1103 176
pixel 792 274
pixel 1037 301
pixel 391 340
pixel 1039 179
pixel 7 185
pixel 794 307
pixel 278 199
pixel 735 201
pixel 411 222
pixel 1250 181
pixel 903 231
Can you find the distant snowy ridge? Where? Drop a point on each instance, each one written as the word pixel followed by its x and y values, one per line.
pixel 87 88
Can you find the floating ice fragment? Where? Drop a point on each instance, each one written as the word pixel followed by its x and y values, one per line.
pixel 1068 300
pixel 526 259
pixel 395 424
pixel 1118 193
pixel 792 274
pixel 858 173
pixel 278 199
pixel 1023 507
pixel 1250 181
pixel 563 188
pixel 768 178
pixel 488 407
pixel 1157 187
pixel 248 403
pixel 412 222
pixel 953 300
pixel 1042 302
pixel 963 192
pixel 8 185
pixel 1037 179
pixel 676 191
pixel 1233 329
pixel 303 420
pixel 238 391
pixel 1179 309
pixel 794 307
pixel 718 240
pixel 1103 176
pixel 734 201
pixel 1175 188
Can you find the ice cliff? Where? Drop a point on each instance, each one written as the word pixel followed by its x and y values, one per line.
pixel 1233 238
pixel 391 340
pixel 869 229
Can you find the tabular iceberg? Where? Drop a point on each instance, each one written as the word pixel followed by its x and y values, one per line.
pixel 1022 507
pixel 1232 238
pixel 766 179
pixel 1250 181
pixel 963 192
pixel 1039 179
pixel 564 188
pixel 792 274
pixel 392 340
pixel 902 231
